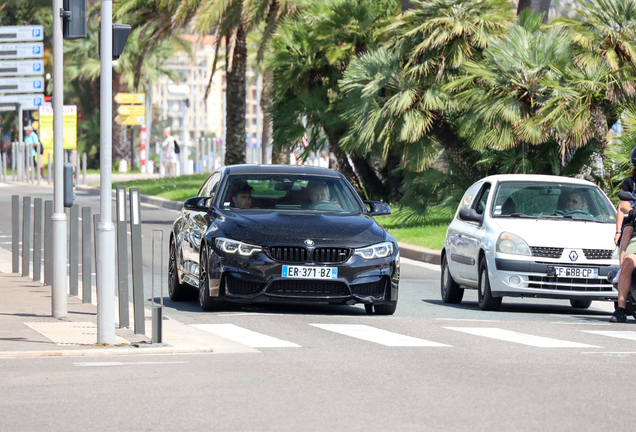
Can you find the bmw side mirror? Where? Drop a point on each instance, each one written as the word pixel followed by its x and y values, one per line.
pixel 625 196
pixel 377 208
pixel 196 203
pixel 470 215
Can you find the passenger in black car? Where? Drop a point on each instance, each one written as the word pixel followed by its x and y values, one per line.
pixel 319 192
pixel 242 195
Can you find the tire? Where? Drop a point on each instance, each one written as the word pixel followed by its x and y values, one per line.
pixel 176 290
pixel 206 302
pixel 581 304
pixel 485 298
pixel 450 290
pixel 381 309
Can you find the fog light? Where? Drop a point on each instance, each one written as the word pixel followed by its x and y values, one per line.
pixel 514 280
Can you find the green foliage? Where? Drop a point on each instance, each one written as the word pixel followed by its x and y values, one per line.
pixel 173 188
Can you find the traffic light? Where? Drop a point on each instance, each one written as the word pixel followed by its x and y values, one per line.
pixel 74 14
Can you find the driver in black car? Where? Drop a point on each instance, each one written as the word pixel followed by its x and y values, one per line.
pixel 242 195
pixel 319 192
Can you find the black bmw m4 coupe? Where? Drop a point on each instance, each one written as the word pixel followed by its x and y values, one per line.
pixel 275 233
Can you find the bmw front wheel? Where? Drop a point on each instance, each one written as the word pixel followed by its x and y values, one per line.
pixel 205 301
pixel 176 290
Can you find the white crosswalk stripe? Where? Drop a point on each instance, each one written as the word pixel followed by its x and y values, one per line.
pixel 379 336
pixel 246 337
pixel 520 338
pixel 631 335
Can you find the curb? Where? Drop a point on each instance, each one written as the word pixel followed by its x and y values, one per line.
pixel 103 352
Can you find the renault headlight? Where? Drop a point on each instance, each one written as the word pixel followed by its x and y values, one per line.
pixel 512 244
pixel 236 247
pixel 380 250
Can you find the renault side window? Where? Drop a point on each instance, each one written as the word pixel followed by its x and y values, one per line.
pixel 468 197
pixel 483 199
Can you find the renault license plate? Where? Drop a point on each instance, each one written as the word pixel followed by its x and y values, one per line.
pixel 573 272
pixel 309 272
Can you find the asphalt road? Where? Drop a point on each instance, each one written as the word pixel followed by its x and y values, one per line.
pixel 536 365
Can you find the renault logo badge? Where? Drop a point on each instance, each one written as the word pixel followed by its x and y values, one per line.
pixel 309 242
pixel 574 256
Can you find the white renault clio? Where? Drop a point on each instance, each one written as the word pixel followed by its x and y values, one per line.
pixel 531 236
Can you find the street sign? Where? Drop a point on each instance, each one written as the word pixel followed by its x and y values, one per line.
pixel 29 33
pixel 131 110
pixel 26 101
pixel 130 98
pixel 130 120
pixel 21 67
pixel 21 50
pixel 9 107
pixel 21 85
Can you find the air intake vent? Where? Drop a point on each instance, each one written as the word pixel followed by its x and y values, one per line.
pixel 331 255
pixel 598 254
pixel 289 254
pixel 546 252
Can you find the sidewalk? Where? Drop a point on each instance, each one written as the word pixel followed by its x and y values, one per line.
pixel 27 328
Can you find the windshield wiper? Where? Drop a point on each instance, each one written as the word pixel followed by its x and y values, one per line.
pixel 519 215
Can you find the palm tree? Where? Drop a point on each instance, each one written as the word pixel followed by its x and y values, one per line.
pixel 504 89
pixel 83 63
pixel 310 54
pixel 402 104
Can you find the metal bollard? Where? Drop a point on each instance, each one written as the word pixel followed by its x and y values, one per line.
pixel 87 277
pixel 84 168
pixel 122 258
pixel 15 232
pixel 157 311
pixel 136 249
pixel 197 157
pixel 37 239
pixel 26 236
pixel 96 220
pixel 13 154
pixel 73 251
pixel 48 243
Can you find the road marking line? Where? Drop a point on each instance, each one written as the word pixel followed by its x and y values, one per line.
pixel 465 319
pixel 96 364
pixel 520 338
pixel 376 335
pixel 631 335
pixel 245 336
pixel 580 323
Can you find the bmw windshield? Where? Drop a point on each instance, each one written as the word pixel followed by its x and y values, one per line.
pixel 545 200
pixel 288 193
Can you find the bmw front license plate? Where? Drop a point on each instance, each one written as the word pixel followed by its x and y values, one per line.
pixel 308 272
pixel 573 272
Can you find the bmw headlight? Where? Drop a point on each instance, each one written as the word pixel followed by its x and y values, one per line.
pixel 380 250
pixel 236 247
pixel 512 244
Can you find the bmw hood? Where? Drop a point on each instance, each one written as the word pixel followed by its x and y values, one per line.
pixel 292 229
pixel 560 233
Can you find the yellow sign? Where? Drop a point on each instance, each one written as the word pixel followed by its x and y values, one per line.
pixel 130 98
pixel 124 120
pixel 45 130
pixel 131 110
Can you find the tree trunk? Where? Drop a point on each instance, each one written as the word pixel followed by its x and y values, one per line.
pixel 370 181
pixel 267 122
pixel 541 6
pixel 599 123
pixel 121 149
pixel 235 102
pixel 395 181
pixel 447 138
pixel 342 163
